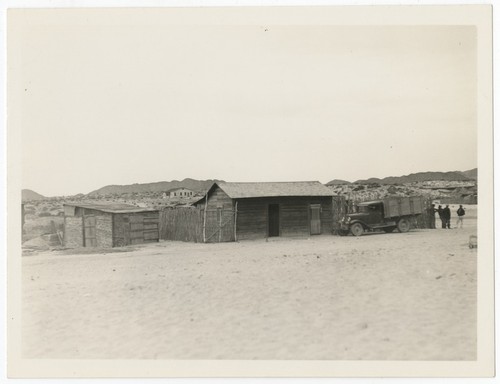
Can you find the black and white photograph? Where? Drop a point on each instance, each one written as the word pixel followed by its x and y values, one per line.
pixel 310 187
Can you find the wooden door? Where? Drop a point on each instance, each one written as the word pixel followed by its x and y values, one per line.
pixel 136 229
pixel 274 220
pixel 151 229
pixel 218 225
pixel 315 219
pixel 89 232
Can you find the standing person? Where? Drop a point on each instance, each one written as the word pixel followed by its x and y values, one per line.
pixel 441 217
pixel 460 214
pixel 432 216
pixel 447 216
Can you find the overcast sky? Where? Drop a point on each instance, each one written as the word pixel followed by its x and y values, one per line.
pixel 120 103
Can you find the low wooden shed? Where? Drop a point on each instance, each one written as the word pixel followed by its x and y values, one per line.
pixel 108 225
pixel 238 211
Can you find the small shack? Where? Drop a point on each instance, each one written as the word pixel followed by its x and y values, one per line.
pixel 239 211
pixel 108 225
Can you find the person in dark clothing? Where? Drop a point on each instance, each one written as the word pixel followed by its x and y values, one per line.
pixel 441 217
pixel 447 216
pixel 432 216
pixel 460 214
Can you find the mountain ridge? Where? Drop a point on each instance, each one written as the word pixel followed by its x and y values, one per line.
pixel 203 185
pixel 159 186
pixel 470 175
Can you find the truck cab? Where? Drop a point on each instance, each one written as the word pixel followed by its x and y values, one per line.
pixel 371 212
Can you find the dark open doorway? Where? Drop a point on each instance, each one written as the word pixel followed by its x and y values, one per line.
pixel 274 220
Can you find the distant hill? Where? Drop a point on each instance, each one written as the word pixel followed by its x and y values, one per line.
pixel 423 176
pixel 471 174
pixel 28 194
pixel 338 182
pixel 161 186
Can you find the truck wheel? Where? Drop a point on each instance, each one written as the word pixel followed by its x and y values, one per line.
pixel 403 225
pixel 389 229
pixel 357 229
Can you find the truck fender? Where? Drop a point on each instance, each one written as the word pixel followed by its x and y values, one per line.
pixel 358 221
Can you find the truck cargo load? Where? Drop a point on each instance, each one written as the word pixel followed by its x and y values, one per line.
pixel 403 206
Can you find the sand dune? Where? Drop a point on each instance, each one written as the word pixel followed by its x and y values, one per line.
pixel 377 297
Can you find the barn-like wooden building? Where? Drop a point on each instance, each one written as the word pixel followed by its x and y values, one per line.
pixel 239 211
pixel 108 225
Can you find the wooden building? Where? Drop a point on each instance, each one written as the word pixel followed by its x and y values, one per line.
pixel 108 225
pixel 180 193
pixel 238 211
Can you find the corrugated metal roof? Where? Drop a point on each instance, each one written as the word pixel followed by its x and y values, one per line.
pixel 275 189
pixel 112 207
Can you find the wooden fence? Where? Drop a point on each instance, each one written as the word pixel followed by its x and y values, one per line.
pixel 339 209
pixel 197 225
pixel 182 224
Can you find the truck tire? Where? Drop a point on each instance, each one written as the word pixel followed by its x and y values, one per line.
pixel 403 225
pixel 389 229
pixel 342 232
pixel 357 229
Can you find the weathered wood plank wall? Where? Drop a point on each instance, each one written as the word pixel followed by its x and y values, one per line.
pixel 144 227
pixel 294 218
pixel 104 229
pixel 111 230
pixel 73 232
pixel 252 220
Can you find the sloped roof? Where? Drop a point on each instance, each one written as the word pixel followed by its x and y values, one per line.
pixel 112 207
pixel 273 189
pixel 177 189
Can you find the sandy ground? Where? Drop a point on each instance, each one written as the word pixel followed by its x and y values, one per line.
pixel 377 297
